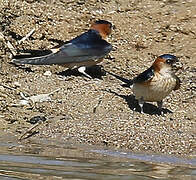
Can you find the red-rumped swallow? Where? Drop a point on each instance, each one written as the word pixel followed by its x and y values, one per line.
pixel 154 84
pixel 85 50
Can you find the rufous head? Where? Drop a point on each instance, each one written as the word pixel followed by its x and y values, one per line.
pixel 103 27
pixel 165 63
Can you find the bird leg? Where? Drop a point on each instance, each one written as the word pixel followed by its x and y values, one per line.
pixel 160 104
pixel 82 70
pixel 141 104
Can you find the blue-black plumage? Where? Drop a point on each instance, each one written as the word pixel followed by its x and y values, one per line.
pixel 86 49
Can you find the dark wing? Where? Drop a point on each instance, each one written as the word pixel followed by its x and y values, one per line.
pixel 147 75
pixel 178 82
pixel 88 46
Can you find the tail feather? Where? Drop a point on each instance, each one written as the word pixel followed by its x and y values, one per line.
pixel 42 60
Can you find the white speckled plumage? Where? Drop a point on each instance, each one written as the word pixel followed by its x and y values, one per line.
pixel 159 87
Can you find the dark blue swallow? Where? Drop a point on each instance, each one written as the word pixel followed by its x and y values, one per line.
pixel 85 50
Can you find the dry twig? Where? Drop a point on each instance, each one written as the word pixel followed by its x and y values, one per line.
pixel 27 36
pixel 30 129
pixel 7 87
pixel 9 45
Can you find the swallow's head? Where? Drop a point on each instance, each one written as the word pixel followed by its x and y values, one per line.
pixel 165 63
pixel 103 27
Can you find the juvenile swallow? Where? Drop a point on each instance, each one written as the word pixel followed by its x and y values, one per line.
pixel 85 50
pixel 154 84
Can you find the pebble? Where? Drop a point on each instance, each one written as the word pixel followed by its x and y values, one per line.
pixel 47 73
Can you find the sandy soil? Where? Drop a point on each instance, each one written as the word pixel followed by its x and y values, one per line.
pixel 100 110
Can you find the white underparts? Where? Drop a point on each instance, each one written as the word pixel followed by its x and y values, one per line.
pixel 157 89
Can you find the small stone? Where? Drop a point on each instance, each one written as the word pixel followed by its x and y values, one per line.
pixel 36 119
pixel 16 84
pixel 47 73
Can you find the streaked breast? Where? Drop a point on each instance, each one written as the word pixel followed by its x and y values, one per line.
pixel 155 90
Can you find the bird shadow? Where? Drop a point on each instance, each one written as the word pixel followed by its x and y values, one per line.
pixel 95 71
pixel 127 82
pixel 133 103
pixel 59 42
pixel 134 106
pixel 26 69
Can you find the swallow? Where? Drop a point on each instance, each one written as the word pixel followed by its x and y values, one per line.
pixel 157 82
pixel 85 50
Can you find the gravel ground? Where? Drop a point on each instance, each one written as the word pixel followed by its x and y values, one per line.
pixel 100 110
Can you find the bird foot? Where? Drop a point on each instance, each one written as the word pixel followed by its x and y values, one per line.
pixel 82 70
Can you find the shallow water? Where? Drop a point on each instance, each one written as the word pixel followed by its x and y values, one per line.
pixel 57 160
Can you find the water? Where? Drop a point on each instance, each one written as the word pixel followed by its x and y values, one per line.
pixel 60 160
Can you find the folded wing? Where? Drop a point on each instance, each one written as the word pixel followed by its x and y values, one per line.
pixel 145 76
pixel 88 46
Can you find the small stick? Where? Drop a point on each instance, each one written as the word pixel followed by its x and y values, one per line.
pixel 30 129
pixel 95 108
pixel 9 45
pixel 5 86
pixel 54 91
pixel 27 36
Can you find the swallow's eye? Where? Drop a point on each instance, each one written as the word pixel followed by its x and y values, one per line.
pixel 168 61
